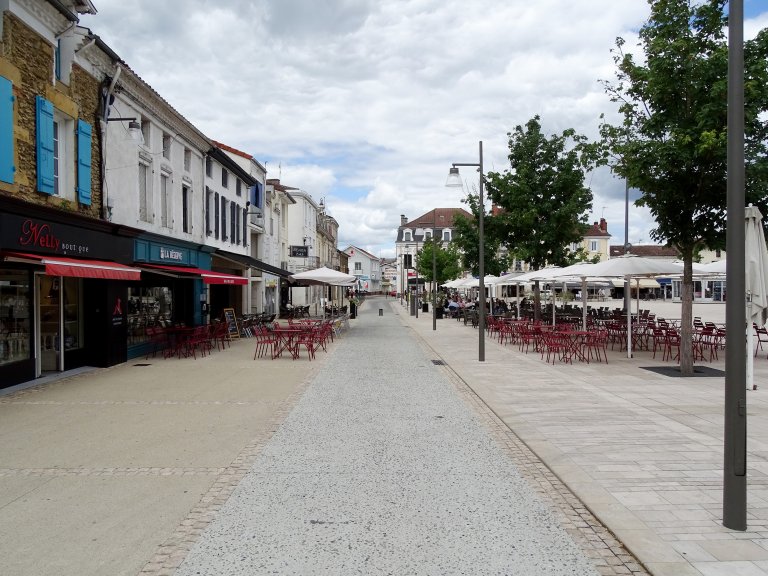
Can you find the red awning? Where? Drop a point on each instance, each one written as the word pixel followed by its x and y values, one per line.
pixel 208 276
pixel 61 266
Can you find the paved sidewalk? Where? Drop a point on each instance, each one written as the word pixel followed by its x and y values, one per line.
pixel 384 468
pixel 121 471
pixel 118 470
pixel 643 451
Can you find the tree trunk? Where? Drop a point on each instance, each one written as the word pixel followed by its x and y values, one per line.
pixel 686 318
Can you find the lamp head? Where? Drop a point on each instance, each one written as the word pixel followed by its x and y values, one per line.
pixel 454 178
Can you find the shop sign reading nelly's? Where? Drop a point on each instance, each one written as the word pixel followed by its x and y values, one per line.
pixel 39 235
pixel 32 235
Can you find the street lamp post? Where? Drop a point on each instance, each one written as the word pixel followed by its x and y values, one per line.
pixel 454 180
pixel 416 273
pixel 434 280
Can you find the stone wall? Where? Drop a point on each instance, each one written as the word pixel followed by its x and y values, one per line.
pixel 27 60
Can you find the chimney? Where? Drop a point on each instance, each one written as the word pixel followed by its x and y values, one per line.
pixel 603 225
pixel 403 220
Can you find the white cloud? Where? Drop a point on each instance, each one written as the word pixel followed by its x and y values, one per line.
pixel 366 104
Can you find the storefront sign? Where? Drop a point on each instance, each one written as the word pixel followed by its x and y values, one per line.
pixel 299 251
pixel 45 237
pixel 171 254
pixel 149 251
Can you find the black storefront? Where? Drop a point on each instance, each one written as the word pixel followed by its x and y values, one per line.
pixel 63 287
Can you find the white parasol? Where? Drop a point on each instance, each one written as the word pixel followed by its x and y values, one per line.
pixel 323 275
pixel 756 280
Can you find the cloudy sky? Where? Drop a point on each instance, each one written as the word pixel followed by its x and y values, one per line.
pixel 366 103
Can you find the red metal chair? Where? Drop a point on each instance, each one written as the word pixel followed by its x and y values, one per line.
pixel 596 342
pixel 265 342
pixel 672 344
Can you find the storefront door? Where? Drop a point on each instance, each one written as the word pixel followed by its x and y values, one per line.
pixel 49 320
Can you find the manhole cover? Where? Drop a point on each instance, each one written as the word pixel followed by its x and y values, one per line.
pixel 142 364
pixel 438 362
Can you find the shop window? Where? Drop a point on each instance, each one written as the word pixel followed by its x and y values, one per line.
pixel 148 307
pixel 73 320
pixel 14 316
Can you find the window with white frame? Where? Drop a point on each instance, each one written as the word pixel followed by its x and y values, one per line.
pixel 358 266
pixel 63 155
pixel 186 208
pixel 145 193
pixel 407 236
pixel 187 159
pixel 238 187
pixel 446 235
pixel 593 245
pixel 166 146
pixel 208 167
pixel 165 200
pixel 225 178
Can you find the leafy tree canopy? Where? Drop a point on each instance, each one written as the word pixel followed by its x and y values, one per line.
pixel 672 142
pixel 466 239
pixel 542 203
pixel 447 261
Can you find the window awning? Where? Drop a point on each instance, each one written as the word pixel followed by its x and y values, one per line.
pixel 61 266
pixel 253 263
pixel 208 276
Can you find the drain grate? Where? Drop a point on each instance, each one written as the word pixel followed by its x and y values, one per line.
pixel 142 364
pixel 438 362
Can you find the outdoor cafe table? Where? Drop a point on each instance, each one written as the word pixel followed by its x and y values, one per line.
pixel 286 340
pixel 576 338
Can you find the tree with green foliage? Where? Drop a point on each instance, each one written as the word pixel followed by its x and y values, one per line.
pixel 671 144
pixel 466 238
pixel 542 202
pixel 447 261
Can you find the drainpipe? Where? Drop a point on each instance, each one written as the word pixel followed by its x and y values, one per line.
pixel 106 211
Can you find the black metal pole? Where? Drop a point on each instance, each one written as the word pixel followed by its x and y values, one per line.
pixel 480 233
pixel 434 281
pixel 735 428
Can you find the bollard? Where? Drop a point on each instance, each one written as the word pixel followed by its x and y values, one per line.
pixel 381 311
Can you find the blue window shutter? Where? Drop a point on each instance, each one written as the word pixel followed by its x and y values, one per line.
pixel 257 195
pixel 44 116
pixel 83 162
pixel 6 131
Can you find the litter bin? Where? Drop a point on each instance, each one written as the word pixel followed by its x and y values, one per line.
pixel 425 307
pixel 381 311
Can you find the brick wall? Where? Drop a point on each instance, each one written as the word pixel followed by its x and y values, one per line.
pixel 27 59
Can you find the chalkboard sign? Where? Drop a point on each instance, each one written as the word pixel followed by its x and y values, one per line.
pixel 231 320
